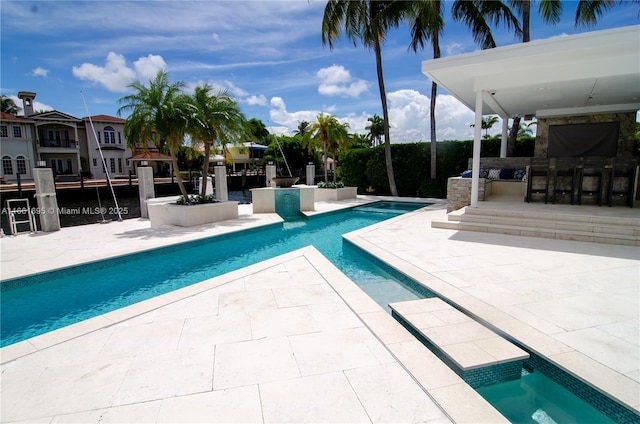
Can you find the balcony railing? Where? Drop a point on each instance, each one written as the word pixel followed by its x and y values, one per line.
pixel 48 142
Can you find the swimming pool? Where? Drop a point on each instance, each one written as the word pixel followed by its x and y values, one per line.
pixel 27 309
pixel 41 303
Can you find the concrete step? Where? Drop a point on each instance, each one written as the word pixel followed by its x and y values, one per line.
pixel 563 226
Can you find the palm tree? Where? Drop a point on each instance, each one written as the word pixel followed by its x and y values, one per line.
pixel 303 128
pixel 427 23
pixel 367 21
pixel 161 113
pixel 218 119
pixel 339 140
pixel 9 106
pixel 376 129
pixel 487 123
pixel 322 133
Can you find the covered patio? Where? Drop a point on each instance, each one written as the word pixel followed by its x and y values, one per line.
pixel 582 79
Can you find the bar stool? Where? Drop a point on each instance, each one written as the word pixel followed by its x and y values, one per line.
pixel 624 172
pixel 538 167
pixel 592 169
pixel 564 178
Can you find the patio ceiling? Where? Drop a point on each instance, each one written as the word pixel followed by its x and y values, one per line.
pixel 594 72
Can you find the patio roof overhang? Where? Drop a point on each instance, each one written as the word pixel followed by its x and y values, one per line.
pixel 584 74
pixel 593 72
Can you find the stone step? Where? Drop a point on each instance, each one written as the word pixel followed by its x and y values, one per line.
pixel 480 356
pixel 563 226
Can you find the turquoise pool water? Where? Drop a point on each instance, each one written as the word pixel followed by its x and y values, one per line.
pixel 536 399
pixel 38 304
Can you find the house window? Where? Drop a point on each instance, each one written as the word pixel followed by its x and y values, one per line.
pixel 112 162
pixel 120 165
pixel 21 164
pixel 98 134
pixel 109 135
pixel 7 166
pixel 95 162
pixel 119 138
pixel 4 131
pixel 17 132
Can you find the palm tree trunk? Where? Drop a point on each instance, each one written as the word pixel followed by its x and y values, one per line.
pixel 205 169
pixel 385 117
pixel 526 37
pixel 326 160
pixel 174 161
pixel 432 111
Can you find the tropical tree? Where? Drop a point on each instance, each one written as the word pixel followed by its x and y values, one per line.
pixel 427 24
pixel 487 123
pixel 218 119
pixel 303 128
pixel 257 132
pixel 160 112
pixel 9 106
pixel 339 140
pixel 323 134
pixel 367 21
pixel 376 129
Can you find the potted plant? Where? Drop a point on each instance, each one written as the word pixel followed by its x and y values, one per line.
pixel 333 191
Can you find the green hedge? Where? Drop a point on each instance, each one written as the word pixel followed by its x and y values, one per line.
pixel 365 168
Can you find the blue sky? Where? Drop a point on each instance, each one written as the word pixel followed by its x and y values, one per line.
pixel 268 53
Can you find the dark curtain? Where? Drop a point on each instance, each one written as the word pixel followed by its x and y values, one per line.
pixel 575 140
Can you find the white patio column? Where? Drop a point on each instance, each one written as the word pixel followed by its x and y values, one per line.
pixel 477 139
pixel 505 136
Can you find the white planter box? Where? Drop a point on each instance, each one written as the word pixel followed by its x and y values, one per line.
pixel 334 194
pixel 187 216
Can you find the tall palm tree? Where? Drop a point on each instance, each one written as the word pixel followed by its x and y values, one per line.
pixel 218 119
pixel 376 129
pixel 161 113
pixel 9 106
pixel 427 24
pixel 367 21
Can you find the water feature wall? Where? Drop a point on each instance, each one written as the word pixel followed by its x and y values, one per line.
pixel 287 202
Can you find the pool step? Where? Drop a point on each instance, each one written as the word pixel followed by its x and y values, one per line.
pixel 563 226
pixel 477 354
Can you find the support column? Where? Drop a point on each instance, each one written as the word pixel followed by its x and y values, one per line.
pixel 311 174
pixel 146 188
pixel 271 172
pixel 504 138
pixel 477 140
pixel 220 174
pixel 46 199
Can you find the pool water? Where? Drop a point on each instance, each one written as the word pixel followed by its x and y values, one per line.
pixel 535 398
pixel 41 303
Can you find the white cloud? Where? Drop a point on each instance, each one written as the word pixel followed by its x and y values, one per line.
pixel 115 75
pixel 235 90
pixel 408 117
pixel 39 72
pixel 337 81
pixel 453 49
pixel 289 120
pixel 147 67
pixel 260 100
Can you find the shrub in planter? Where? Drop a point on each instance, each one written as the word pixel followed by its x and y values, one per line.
pixel 330 184
pixel 195 200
